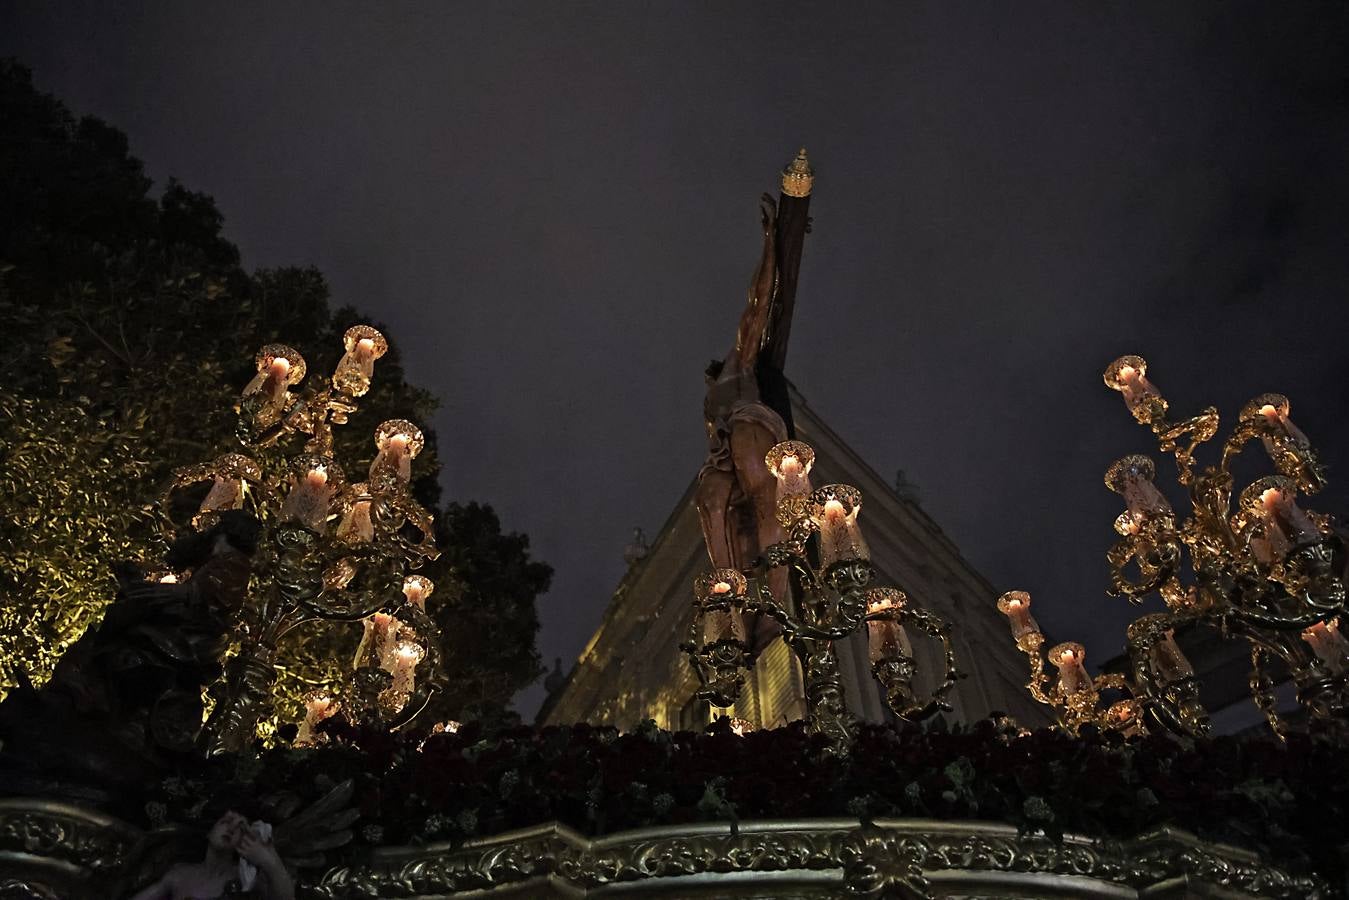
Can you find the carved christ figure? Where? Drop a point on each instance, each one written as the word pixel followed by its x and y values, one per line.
pixel 737 494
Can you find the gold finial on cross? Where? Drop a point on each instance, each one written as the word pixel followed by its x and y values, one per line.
pixel 798 177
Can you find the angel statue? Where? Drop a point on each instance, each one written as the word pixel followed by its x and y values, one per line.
pixel 240 860
pixel 135 679
pixel 250 859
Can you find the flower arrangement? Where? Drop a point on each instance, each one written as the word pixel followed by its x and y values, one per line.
pixel 1284 800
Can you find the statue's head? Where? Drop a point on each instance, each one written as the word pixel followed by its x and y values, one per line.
pixel 225 833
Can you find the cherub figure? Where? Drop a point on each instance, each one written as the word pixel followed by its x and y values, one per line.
pixel 240 861
pixel 250 860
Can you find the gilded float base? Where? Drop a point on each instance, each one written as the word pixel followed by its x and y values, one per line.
pixel 79 855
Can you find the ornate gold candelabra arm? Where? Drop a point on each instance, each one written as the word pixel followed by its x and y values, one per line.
pixel 1260 617
pixel 1158 557
pixel 1111 681
pixel 1171 439
pixel 1041 685
pixel 1015 605
pixel 718 647
pixel 1262 691
pixel 791 556
pixel 903 703
pixel 1163 677
pixel 1267 417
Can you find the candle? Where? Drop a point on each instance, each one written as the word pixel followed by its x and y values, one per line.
pixel 1269 413
pixel 399 442
pixel 886 638
pixel 319 705
pixel 312 492
pixel 1069 658
pixel 1328 644
pixel 720 594
pixel 1015 605
pixel 356 526
pixel 278 367
pixel 1131 477
pixel 363 346
pixel 386 629
pixel 1128 375
pixel 834 509
pixel 416 588
pixel 1279 524
pixel 1125 716
pixel 405 657
pixel 790 462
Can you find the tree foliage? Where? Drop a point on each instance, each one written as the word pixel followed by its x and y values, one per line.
pixel 132 329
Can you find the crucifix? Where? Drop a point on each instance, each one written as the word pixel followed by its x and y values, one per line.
pixel 747 408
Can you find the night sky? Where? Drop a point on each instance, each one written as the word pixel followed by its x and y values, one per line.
pixel 553 207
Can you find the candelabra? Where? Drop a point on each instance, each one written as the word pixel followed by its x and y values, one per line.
pixel 1077 697
pixel 1261 569
pixel 831 599
pixel 330 550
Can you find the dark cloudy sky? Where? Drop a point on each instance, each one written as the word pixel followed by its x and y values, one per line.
pixel 553 207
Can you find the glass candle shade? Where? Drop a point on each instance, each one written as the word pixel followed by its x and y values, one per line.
pixel 790 462
pixel 1281 525
pixel 886 638
pixel 1125 716
pixel 1328 644
pixel 278 368
pixel 314 482
pixel 363 346
pixel 720 594
pixel 416 588
pixel 1269 413
pixel 1069 658
pixel 231 471
pixel 1131 477
pixel 1015 605
pixel 384 630
pixel 1128 375
pixel 318 705
pixel 356 526
pixel 403 665
pixel 1168 660
pixel 399 442
pixel 834 509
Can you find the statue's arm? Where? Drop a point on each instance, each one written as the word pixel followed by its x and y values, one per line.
pixel 280 886
pixel 762 290
pixel 160 890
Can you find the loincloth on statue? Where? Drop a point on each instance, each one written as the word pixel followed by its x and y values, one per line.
pixel 719 441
